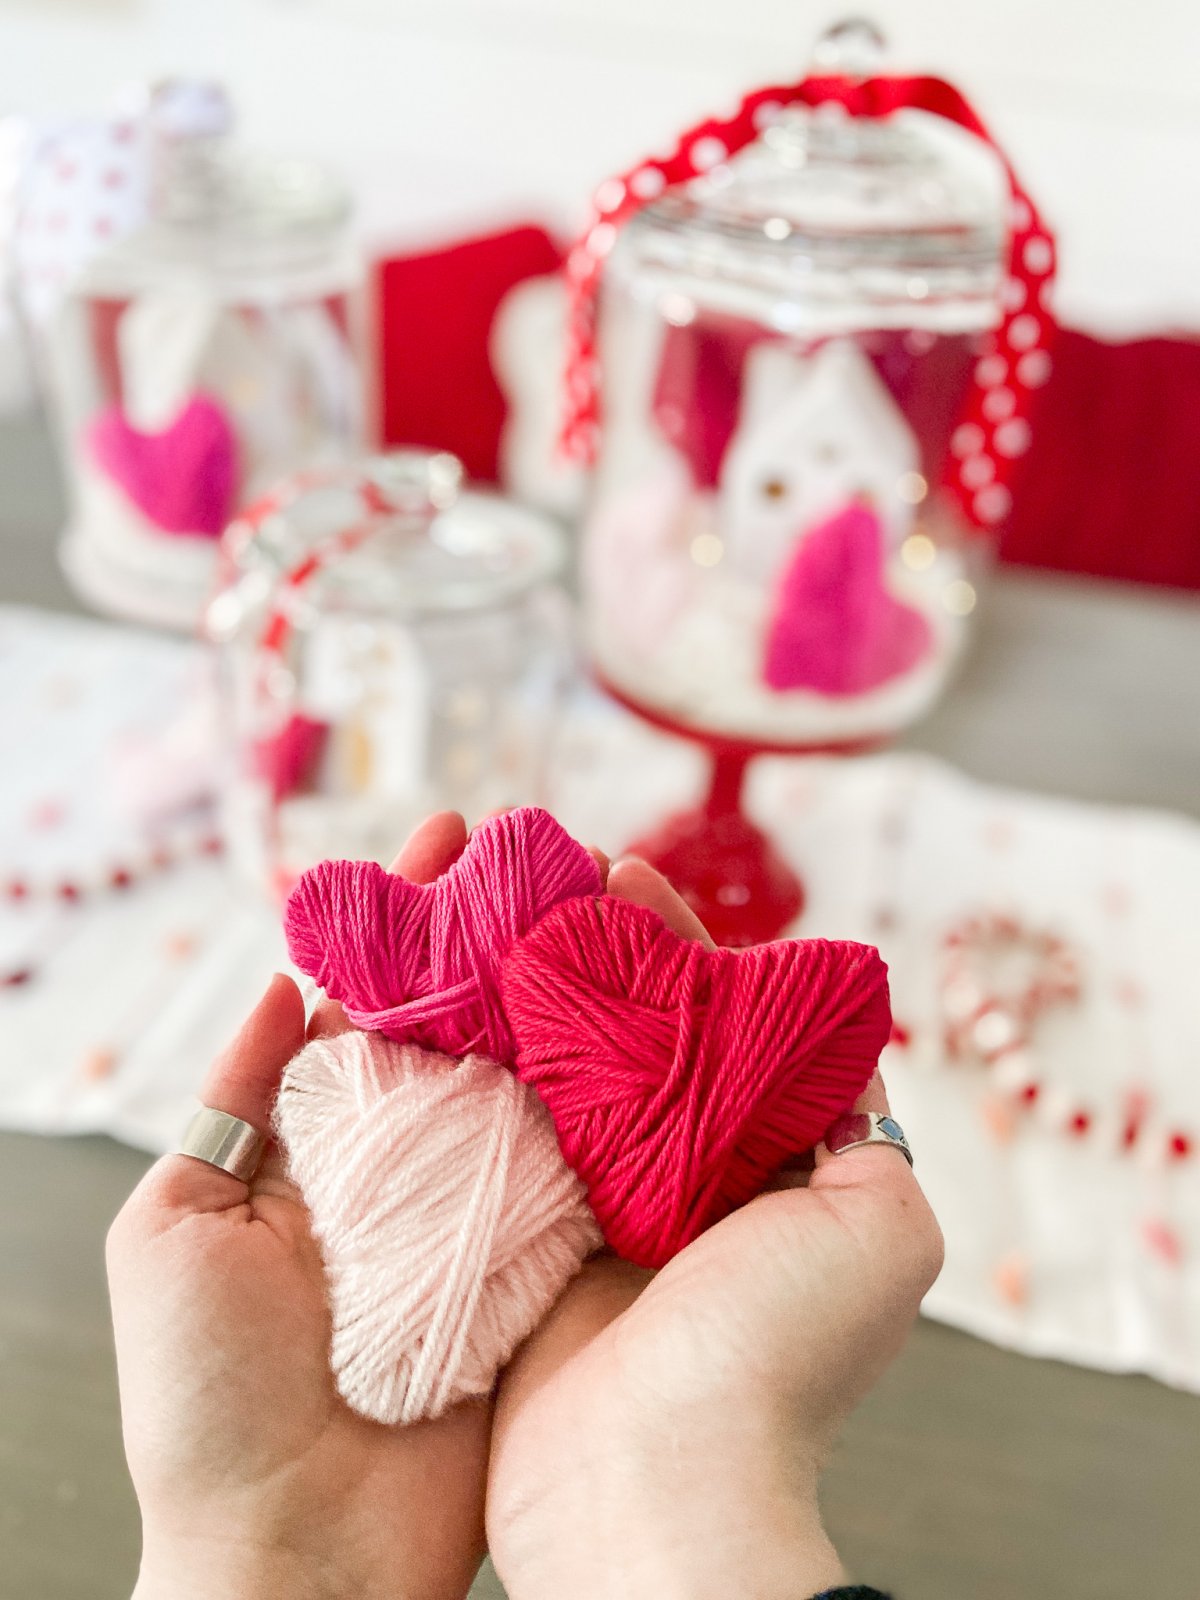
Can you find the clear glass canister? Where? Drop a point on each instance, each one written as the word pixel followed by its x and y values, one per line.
pixel 198 355
pixel 785 346
pixel 409 656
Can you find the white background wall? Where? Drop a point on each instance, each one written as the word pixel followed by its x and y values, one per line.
pixel 449 113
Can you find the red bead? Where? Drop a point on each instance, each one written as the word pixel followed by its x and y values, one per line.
pixel 17 889
pixel 14 980
pixel 1030 1093
pixel 1079 1124
pixel 213 845
pixel 68 891
pixel 120 878
pixel 1179 1147
pixel 900 1036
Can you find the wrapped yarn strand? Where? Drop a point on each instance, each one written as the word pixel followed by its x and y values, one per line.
pixel 421 962
pixel 447 1219
pixel 679 1078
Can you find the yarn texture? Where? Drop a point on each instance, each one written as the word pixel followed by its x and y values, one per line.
pixel 421 962
pixel 447 1219
pixel 679 1078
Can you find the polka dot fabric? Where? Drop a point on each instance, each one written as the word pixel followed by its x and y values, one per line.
pixel 994 432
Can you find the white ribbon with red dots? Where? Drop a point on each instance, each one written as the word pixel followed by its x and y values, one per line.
pixel 994 430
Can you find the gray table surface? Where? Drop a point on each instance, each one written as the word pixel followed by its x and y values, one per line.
pixel 969 1471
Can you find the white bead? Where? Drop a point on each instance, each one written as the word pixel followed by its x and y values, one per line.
pixel 991 371
pixel 1013 437
pixel 610 195
pixel 1012 296
pixel 967 439
pixel 976 471
pixel 993 503
pixel 1037 255
pixel 1024 332
pixel 648 183
pixel 707 153
pixel 998 404
pixel 1034 368
pixel 601 239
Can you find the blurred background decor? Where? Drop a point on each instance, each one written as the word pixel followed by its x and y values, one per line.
pixel 825 322
pixel 192 321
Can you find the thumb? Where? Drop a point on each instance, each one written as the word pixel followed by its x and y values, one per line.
pixel 875 1191
pixel 243 1082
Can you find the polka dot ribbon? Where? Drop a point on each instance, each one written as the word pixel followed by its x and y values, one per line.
pixel 993 431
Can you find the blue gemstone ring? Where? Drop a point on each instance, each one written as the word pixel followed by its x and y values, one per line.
pixel 866 1127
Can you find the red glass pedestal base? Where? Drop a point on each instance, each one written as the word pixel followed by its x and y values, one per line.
pixel 724 866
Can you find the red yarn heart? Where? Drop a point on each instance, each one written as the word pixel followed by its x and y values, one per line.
pixel 680 1078
pixel 421 962
pixel 837 629
pixel 184 478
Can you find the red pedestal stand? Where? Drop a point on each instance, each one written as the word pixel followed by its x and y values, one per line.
pixel 724 866
pixel 721 863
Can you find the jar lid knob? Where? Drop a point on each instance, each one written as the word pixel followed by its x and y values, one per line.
pixel 852 48
pixel 413 481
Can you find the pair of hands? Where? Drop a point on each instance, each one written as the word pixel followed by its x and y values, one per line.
pixel 657 1435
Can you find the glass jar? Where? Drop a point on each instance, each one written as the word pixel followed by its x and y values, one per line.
pixel 786 343
pixel 408 655
pixel 206 348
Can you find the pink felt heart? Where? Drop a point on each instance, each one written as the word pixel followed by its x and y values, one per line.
pixel 184 479
pixel 681 1078
pixel 421 962
pixel 836 629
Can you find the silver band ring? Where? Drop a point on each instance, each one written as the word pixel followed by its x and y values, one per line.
pixel 866 1127
pixel 225 1142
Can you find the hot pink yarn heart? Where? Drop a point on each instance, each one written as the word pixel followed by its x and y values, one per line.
pixel 679 1078
pixel 183 479
pixel 836 629
pixel 421 963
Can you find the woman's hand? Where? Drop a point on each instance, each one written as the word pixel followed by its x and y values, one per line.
pixel 253 1477
pixel 662 1436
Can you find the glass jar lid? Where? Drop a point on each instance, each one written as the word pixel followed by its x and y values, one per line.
pixel 215 208
pixel 400 537
pixel 899 220
pixel 906 188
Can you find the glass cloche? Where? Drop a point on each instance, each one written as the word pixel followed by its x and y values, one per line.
pixel 804 384
pixel 786 345
pixel 204 342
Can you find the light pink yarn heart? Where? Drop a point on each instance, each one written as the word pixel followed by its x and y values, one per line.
pixel 422 963
pixel 448 1221
pixel 836 629
pixel 184 479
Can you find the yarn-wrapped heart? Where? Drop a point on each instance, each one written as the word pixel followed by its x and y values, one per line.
pixel 184 478
pixel 680 1078
pixel 421 962
pixel 837 628
pixel 447 1219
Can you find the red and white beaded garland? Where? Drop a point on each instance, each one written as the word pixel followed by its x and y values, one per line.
pixel 980 1019
pixel 994 430
pixel 995 1028
pixel 118 876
